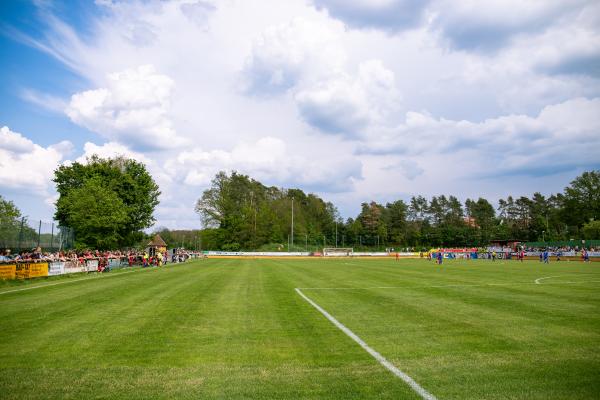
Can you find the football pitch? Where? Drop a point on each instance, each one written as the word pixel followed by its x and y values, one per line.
pixel 236 328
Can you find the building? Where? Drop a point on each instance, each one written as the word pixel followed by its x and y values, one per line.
pixel 156 245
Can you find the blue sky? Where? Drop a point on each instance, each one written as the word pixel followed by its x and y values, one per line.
pixel 356 101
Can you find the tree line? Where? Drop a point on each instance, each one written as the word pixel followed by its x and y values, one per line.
pixel 109 204
pixel 240 213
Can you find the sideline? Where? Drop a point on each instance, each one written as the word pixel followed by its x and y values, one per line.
pixel 63 282
pixel 382 360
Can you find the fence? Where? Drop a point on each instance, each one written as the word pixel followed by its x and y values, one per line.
pixel 26 269
pixel 26 235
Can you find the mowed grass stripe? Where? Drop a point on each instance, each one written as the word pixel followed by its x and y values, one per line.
pixel 211 329
pixel 514 332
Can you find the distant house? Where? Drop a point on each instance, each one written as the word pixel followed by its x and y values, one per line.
pixel 157 244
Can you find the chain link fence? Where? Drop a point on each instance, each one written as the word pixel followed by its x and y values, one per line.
pixel 26 235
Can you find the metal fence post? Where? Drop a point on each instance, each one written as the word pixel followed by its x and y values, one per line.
pixel 52 237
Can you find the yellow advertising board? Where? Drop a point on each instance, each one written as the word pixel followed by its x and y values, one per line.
pixel 8 271
pixel 33 270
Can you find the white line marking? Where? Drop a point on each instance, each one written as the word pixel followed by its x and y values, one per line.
pixel 391 367
pixel 414 287
pixel 60 283
pixel 449 286
pixel 538 280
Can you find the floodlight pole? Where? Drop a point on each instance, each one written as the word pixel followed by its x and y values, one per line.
pixel 292 221
pixel 39 233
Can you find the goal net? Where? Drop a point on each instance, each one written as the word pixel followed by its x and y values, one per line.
pixel 337 251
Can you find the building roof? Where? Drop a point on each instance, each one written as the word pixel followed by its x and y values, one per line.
pixel 157 241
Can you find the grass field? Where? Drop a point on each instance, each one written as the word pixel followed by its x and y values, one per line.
pixel 237 329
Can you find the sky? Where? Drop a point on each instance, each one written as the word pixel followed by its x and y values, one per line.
pixel 352 100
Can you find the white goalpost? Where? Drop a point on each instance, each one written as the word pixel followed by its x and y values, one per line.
pixel 338 252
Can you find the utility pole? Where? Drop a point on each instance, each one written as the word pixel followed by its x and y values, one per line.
pixel 336 234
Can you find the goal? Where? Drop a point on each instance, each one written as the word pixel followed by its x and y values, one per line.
pixel 337 252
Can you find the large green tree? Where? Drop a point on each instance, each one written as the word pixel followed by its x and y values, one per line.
pixel 242 213
pixel 98 215
pixel 581 202
pixel 123 184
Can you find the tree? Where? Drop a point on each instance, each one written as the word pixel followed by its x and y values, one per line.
pixel 395 220
pixel 245 214
pixel 97 215
pixel 119 178
pixel 591 230
pixel 10 223
pixel 582 199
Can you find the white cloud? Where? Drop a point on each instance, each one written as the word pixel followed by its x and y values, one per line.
pixel 110 150
pixel 14 142
pixel 132 109
pixel 285 54
pixel 28 166
pixel 44 100
pixel 563 135
pixel 346 105
pixel 269 161
pixel 469 25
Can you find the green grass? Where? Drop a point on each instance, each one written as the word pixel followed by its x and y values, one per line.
pixel 237 329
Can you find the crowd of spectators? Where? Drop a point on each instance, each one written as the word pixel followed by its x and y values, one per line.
pixel 562 249
pixel 132 257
